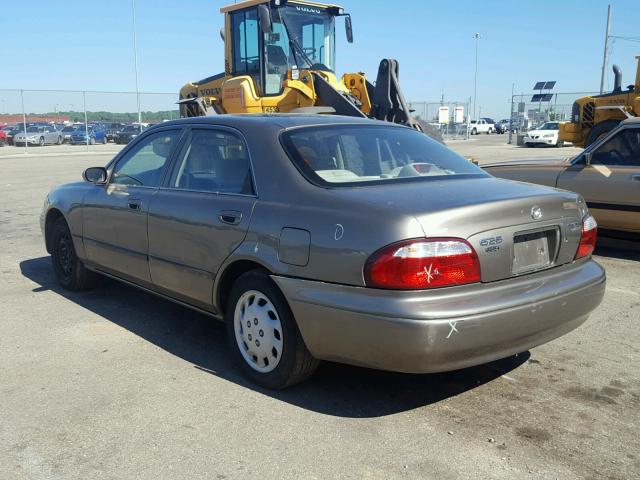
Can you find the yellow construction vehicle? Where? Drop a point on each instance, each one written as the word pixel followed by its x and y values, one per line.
pixel 594 116
pixel 280 57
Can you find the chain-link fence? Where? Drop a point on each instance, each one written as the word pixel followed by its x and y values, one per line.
pixel 80 109
pixel 533 109
pixel 450 118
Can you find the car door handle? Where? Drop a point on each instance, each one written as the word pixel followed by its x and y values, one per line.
pixel 230 217
pixel 134 204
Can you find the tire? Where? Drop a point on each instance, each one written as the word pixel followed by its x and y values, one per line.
pixel 293 362
pixel 104 140
pixel 41 142
pixel 69 270
pixel 59 141
pixel 528 145
pixel 92 141
pixel 600 130
pixel 489 132
pixel 559 143
pixel 474 131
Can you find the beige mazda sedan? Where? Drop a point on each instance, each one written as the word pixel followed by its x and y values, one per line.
pixel 607 175
pixel 331 238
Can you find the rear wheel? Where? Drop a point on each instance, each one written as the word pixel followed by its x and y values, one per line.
pixel 474 131
pixel 41 142
pixel 92 141
pixel 104 140
pixel 59 142
pixel 263 334
pixel 600 130
pixel 69 270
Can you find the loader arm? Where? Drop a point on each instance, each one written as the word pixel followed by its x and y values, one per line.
pixel 387 100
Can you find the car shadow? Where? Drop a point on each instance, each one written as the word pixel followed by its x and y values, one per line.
pixel 335 389
pixel 608 245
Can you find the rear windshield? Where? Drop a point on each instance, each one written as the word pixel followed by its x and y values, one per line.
pixel 349 155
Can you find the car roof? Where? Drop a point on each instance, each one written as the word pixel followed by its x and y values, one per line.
pixel 281 120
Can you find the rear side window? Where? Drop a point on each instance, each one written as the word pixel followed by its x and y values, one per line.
pixel 213 161
pixel 349 155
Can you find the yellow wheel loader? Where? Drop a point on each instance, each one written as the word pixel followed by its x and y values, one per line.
pixel 280 57
pixel 594 116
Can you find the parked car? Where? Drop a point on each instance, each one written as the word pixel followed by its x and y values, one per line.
pixel 68 130
pixel 38 135
pixel 545 134
pixel 91 135
pixel 331 238
pixel 11 132
pixel 481 126
pixel 128 133
pixel 113 129
pixel 3 137
pixel 503 126
pixel 606 174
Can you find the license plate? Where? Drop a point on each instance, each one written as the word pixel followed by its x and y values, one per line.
pixel 532 251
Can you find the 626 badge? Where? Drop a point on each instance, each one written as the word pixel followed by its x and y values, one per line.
pixel 491 244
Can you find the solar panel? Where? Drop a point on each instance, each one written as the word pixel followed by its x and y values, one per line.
pixel 547 97
pixel 536 98
pixel 539 85
pixel 549 85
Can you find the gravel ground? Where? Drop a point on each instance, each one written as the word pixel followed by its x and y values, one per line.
pixel 115 383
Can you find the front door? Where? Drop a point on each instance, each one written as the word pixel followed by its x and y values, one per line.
pixel 201 214
pixel 611 183
pixel 115 214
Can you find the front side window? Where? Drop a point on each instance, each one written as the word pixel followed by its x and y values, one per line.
pixel 213 161
pixel 143 164
pixel 350 155
pixel 623 149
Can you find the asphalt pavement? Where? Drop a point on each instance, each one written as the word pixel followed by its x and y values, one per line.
pixel 115 383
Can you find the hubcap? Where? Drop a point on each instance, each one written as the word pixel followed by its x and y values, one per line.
pixel 258 331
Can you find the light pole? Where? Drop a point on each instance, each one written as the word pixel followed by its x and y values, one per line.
pixel 135 58
pixel 475 77
pixel 605 56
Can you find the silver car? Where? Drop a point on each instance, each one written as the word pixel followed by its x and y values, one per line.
pixel 331 238
pixel 39 135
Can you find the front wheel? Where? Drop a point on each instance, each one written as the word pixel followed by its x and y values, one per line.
pixel 263 334
pixel 69 270
pixel 92 141
pixel 474 131
pixel 59 142
pixel 104 140
pixel 41 142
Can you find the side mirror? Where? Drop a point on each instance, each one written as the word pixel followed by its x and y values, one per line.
pixel 348 28
pixel 95 175
pixel 222 33
pixel 264 14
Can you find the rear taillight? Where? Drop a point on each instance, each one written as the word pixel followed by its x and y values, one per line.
pixel 421 264
pixel 588 237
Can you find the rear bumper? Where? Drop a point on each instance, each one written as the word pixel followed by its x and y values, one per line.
pixel 445 329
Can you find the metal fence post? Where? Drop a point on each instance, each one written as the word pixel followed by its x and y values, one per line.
pixel 86 128
pixel 24 123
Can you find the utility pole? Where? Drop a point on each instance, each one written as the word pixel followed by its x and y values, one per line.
pixel 475 77
pixel 135 58
pixel 605 57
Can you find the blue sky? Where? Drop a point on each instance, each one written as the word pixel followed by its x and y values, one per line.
pixel 88 45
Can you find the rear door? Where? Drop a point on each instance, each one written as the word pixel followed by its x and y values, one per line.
pixel 611 184
pixel 115 215
pixel 201 214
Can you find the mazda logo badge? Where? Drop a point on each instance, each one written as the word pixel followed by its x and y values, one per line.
pixel 536 212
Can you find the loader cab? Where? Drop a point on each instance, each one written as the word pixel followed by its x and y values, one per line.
pixel 270 40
